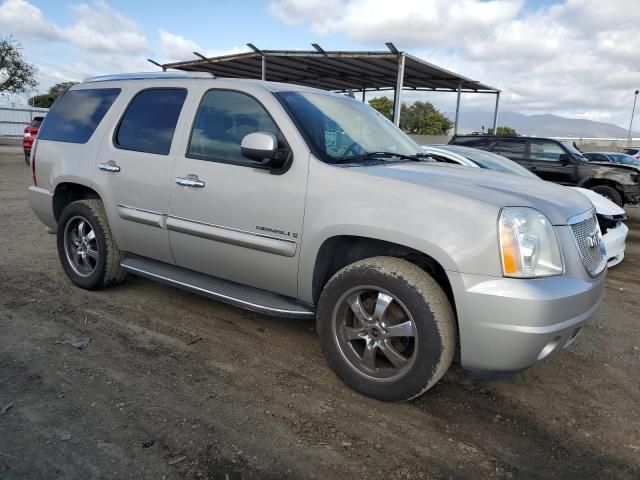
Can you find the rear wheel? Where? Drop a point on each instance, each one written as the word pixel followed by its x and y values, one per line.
pixel 87 250
pixel 386 328
pixel 609 193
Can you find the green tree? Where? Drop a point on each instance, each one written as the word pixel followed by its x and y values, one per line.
pixel 16 74
pixel 384 105
pixel 422 118
pixel 45 100
pixel 502 130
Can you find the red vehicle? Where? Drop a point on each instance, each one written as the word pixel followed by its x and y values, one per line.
pixel 30 133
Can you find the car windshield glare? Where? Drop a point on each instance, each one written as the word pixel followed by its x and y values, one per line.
pixel 337 127
pixel 625 159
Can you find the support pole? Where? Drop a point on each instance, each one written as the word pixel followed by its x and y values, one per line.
pixel 264 67
pixel 397 97
pixel 495 114
pixel 364 91
pixel 455 123
pixel 633 111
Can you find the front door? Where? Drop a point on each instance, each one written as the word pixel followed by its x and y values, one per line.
pixel 551 162
pixel 228 216
pixel 135 165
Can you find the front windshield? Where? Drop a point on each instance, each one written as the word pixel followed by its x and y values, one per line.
pixel 491 161
pixel 339 127
pixel 625 159
pixel 574 151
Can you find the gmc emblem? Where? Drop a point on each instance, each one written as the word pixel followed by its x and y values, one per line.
pixel 594 239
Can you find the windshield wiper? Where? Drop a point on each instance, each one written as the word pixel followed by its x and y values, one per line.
pixel 373 155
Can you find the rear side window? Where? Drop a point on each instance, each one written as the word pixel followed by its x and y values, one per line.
pixel 76 114
pixel 510 148
pixel 150 121
pixel 474 142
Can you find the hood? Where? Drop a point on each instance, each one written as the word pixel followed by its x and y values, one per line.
pixel 603 205
pixel 557 202
pixel 616 166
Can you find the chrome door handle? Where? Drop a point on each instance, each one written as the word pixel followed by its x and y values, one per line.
pixel 190 182
pixel 109 167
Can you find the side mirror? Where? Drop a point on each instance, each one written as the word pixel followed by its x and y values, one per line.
pixel 564 159
pixel 259 146
pixel 263 147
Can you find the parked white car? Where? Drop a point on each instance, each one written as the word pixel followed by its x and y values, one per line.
pixel 610 216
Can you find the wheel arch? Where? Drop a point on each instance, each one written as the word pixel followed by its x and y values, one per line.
pixel 339 251
pixel 67 192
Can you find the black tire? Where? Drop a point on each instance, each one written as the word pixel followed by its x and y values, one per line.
pixel 106 266
pixel 415 293
pixel 26 158
pixel 610 193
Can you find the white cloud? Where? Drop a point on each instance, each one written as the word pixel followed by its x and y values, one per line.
pixel 21 18
pixel 99 27
pixel 576 57
pixel 96 27
pixel 178 48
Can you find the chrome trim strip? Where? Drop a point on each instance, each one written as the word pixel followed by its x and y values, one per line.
pixel 581 217
pixel 232 229
pixel 231 236
pixel 219 296
pixel 140 215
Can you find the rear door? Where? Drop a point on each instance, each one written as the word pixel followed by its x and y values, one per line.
pixel 551 162
pixel 134 167
pixel 512 148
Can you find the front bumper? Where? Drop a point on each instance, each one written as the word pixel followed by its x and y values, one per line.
pixel 507 324
pixel 615 243
pixel 41 201
pixel 631 193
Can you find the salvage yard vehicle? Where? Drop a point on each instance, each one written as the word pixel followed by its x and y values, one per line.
pixel 560 162
pixel 29 135
pixel 294 201
pixel 610 216
pixel 613 157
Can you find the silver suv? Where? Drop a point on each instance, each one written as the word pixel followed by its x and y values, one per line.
pixel 298 202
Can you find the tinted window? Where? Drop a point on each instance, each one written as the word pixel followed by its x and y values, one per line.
pixel 223 119
pixel 596 157
pixel 36 122
pixel 150 121
pixel 548 151
pixel 474 141
pixel 76 114
pixel 510 148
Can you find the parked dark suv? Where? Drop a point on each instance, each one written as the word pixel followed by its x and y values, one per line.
pixel 560 162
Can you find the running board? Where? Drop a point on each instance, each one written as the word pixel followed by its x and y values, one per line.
pixel 249 298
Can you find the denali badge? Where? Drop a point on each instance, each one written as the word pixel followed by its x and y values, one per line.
pixel 277 230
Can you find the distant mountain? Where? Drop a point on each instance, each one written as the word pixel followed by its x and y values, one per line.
pixel 545 125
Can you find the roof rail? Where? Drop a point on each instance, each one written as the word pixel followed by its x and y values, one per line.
pixel 149 76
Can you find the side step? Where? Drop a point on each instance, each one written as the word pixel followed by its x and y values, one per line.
pixel 249 298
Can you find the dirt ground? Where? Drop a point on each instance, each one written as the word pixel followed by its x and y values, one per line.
pixel 173 385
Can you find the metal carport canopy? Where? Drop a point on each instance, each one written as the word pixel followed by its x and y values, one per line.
pixel 341 71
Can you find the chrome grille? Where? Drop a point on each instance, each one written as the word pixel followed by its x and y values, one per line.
pixel 585 232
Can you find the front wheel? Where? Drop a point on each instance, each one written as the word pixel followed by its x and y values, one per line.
pixel 609 193
pixel 87 250
pixel 386 328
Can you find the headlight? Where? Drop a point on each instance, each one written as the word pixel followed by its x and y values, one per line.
pixel 528 244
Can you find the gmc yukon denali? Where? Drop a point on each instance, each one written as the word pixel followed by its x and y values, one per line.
pixel 299 202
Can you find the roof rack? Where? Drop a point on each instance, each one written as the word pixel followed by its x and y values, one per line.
pixel 149 76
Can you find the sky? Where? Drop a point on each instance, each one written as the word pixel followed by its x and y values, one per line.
pixel 575 58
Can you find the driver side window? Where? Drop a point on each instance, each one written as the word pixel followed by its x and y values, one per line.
pixel 547 151
pixel 223 119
